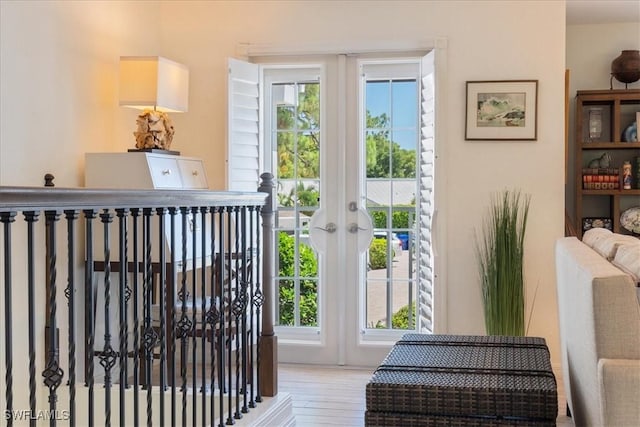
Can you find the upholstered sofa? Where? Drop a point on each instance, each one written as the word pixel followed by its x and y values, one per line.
pixel 599 316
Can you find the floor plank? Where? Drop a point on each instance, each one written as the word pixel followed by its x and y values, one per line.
pixel 335 395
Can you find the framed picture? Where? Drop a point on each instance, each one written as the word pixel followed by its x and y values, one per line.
pixel 502 110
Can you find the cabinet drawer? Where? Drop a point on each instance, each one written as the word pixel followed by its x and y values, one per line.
pixel 164 172
pixel 192 173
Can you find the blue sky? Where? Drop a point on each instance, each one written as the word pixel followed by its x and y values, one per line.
pixel 399 101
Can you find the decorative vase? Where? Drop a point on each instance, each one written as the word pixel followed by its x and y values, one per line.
pixel 626 67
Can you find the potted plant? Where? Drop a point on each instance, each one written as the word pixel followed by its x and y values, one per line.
pixel 500 254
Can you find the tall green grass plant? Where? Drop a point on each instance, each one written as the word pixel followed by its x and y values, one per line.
pixel 500 252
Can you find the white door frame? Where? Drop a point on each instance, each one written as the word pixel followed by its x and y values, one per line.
pixel 310 352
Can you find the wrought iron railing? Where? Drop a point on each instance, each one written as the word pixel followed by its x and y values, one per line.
pixel 135 307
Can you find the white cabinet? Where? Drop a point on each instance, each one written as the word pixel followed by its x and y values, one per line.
pixel 142 171
pixel 148 171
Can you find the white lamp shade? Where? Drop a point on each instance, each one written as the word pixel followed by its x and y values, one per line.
pixel 154 82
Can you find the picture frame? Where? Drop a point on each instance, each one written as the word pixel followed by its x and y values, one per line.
pixel 502 110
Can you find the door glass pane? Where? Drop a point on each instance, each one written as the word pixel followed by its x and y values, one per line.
pixel 297 153
pixel 377 152
pixel 403 164
pixel 391 137
pixel 404 113
pixel 378 99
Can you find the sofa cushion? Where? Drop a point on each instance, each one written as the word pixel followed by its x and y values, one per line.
pixel 593 235
pixel 605 242
pixel 627 259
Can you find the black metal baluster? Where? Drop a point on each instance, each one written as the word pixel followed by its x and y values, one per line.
pixel 172 318
pixel 252 320
pixel 136 320
pixel 230 299
pixel 7 218
pixel 70 291
pixel 149 335
pixel 258 301
pixel 122 308
pixel 89 313
pixel 203 308
pixel 222 339
pixel 184 325
pixel 213 315
pixel 194 320
pixel 31 217
pixel 52 373
pixel 108 356
pixel 243 290
pixel 237 307
pixel 162 283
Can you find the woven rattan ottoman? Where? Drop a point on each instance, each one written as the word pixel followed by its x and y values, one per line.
pixel 462 380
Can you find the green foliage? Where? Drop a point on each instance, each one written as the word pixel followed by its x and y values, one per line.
pixel 378 254
pixel 298 135
pixel 379 219
pixel 308 266
pixel 400 319
pixel 380 148
pixel 301 196
pixel 399 219
pixel 500 255
pixel 299 143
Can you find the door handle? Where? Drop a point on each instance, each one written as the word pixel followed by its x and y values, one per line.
pixel 354 228
pixel 329 228
pixel 361 217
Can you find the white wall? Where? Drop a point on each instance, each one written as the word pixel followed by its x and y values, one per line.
pixel 486 41
pixel 590 50
pixel 72 78
pixel 58 83
pixel 58 78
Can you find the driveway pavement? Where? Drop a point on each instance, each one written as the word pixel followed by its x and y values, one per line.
pixel 401 292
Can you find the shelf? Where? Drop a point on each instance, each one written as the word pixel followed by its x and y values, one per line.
pixel 609 95
pixel 606 114
pixel 633 192
pixel 610 145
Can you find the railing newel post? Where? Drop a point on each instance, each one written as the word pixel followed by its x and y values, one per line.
pixel 268 342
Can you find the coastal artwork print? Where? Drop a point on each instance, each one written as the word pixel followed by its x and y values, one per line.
pixel 500 110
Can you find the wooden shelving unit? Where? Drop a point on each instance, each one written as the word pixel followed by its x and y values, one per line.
pixel 616 110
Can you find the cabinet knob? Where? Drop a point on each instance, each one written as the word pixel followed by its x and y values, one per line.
pixel 166 172
pixel 194 173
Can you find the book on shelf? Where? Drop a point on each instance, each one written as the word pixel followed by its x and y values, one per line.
pixel 600 178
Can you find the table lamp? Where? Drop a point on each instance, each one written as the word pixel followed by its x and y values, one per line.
pixel 157 86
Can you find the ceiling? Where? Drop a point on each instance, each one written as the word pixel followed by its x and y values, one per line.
pixel 602 11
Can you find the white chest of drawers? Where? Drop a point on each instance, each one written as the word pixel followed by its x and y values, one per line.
pixel 143 171
pixel 149 171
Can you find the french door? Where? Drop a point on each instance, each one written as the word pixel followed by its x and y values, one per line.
pixel 352 156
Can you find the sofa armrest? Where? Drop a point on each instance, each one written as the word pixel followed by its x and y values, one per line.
pixel 619 382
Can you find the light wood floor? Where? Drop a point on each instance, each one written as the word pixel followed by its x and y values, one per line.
pixel 325 396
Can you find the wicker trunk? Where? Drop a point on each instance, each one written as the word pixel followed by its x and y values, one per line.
pixel 459 380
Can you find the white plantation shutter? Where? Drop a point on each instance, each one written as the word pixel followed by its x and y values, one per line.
pixel 425 212
pixel 243 152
